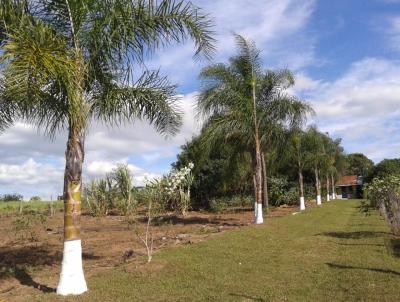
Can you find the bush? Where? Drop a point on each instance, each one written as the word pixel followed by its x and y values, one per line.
pixel 219 205
pixel 384 194
pixel 281 191
pixel 35 199
pixel 23 225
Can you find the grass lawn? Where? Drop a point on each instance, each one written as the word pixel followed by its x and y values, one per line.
pixel 331 253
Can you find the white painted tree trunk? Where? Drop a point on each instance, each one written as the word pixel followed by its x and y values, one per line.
pixel 319 200
pixel 259 216
pixel 72 280
pixel 302 204
pixel 255 210
pixel 328 197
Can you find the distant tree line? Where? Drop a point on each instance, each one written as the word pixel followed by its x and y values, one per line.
pixel 11 197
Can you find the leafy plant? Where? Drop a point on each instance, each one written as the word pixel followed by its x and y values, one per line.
pixel 384 193
pixel 35 199
pixel 24 225
pixel 179 183
pixel 153 199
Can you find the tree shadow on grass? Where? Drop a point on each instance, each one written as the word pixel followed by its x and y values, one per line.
pixel 358 244
pixel 353 235
pixel 173 219
pixel 378 270
pixel 18 262
pixel 248 297
pixel 394 245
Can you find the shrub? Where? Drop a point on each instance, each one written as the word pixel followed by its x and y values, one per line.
pixel 153 197
pixel 98 197
pixel 219 205
pixel 179 183
pixel 24 225
pixel 281 191
pixel 35 199
pixel 384 194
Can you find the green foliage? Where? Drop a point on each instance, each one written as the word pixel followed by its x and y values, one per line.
pixel 63 66
pixel 179 184
pixel 384 193
pixel 219 205
pixel 24 225
pixel 11 197
pixel 387 167
pixel 281 191
pixel 360 165
pixel 216 173
pixel 35 199
pixel 121 183
pixel 115 191
pixel 98 197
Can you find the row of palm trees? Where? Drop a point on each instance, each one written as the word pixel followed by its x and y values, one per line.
pixel 316 151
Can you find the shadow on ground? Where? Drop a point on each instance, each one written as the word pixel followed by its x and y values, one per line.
pixel 353 235
pixel 19 262
pixel 196 220
pixel 25 279
pixel 246 297
pixel 378 270
pixel 394 245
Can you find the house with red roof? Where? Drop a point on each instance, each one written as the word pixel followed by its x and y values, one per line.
pixel 349 187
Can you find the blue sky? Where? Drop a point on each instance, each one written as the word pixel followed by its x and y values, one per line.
pixel 344 53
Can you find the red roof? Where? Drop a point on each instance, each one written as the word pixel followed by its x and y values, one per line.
pixel 349 180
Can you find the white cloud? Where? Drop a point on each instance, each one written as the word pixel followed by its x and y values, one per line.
pixel 277 27
pixel 31 178
pixel 362 107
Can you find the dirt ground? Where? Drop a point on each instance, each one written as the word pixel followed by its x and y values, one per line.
pixel 30 260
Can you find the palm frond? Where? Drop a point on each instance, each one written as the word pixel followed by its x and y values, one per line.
pixel 151 97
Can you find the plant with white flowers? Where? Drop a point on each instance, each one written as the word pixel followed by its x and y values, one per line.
pixel 178 187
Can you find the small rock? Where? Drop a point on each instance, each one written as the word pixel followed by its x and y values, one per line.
pixel 163 238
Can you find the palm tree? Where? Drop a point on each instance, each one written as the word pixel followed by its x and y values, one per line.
pixel 331 150
pixel 242 104
pixel 298 151
pixel 68 62
pixel 316 157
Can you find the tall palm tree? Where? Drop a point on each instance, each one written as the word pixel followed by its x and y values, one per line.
pixel 242 103
pixel 298 149
pixel 68 62
pixel 316 157
pixel 331 150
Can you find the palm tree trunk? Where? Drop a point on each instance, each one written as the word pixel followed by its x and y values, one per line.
pixel 265 183
pixel 258 162
pixel 258 177
pixel 317 186
pixel 72 280
pixel 333 187
pixel 301 184
pixel 327 188
pixel 255 195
